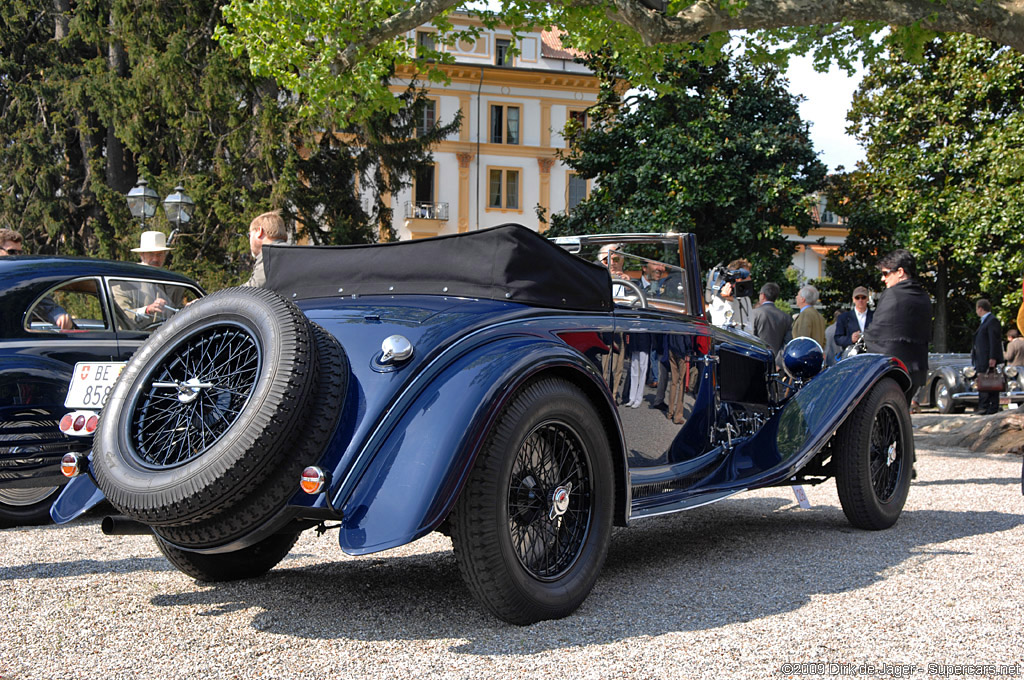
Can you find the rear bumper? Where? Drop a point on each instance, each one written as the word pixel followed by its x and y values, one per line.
pixel 35 464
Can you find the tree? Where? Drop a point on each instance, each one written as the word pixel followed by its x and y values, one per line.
pixel 721 152
pixel 380 154
pixel 336 53
pixel 944 138
pixel 93 96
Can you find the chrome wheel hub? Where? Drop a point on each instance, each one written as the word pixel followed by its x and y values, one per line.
pixel 890 455
pixel 560 501
pixel 188 390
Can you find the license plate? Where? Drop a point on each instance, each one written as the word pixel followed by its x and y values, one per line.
pixel 92 383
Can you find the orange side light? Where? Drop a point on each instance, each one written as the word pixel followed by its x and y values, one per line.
pixel 313 480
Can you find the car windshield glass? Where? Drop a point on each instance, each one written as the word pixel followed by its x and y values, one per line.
pixel 644 266
pixel 142 305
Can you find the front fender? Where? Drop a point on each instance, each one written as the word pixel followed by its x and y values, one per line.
pixel 794 435
pixel 415 476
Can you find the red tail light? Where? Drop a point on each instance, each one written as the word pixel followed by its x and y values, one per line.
pixel 90 425
pixel 66 422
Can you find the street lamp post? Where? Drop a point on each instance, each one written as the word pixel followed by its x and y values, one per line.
pixel 178 206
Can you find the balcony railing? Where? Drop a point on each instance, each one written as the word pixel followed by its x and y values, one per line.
pixel 426 211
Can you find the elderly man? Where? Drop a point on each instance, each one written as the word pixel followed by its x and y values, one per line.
pixel 266 228
pixel 143 304
pixel 809 323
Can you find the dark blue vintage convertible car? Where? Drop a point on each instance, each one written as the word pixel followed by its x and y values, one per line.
pixel 492 385
pixel 57 311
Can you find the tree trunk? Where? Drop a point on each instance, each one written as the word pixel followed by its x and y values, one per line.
pixel 120 172
pixel 61 18
pixel 940 321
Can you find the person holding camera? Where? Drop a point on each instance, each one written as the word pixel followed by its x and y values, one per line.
pixel 730 304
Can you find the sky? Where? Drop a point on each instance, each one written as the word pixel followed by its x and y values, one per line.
pixel 828 99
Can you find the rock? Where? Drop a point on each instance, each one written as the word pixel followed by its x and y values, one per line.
pixel 1000 433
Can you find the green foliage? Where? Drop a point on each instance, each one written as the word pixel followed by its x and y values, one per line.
pixel 112 90
pixel 721 152
pixel 944 138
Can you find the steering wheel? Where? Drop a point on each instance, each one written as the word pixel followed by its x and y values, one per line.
pixel 641 298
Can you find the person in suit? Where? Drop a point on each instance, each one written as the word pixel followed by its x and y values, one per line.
pixel 853 322
pixel 771 324
pixel 809 323
pixel 986 353
pixel 902 324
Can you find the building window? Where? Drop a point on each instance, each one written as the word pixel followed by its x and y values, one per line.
pixel 423 184
pixel 577 191
pixel 503 188
pixel 504 124
pixel 501 55
pixel 425 39
pixel 427 118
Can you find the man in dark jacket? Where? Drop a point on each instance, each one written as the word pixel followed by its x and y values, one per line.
pixel 986 353
pixel 902 323
pixel 853 322
pixel 771 324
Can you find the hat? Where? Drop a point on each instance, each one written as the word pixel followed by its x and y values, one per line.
pixel 152 242
pixel 861 290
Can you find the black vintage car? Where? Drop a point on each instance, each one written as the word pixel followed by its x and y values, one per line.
pixel 58 311
pixel 951 387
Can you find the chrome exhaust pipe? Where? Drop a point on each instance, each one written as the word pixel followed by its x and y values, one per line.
pixel 119 525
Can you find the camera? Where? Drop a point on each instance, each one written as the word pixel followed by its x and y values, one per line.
pixel 719 276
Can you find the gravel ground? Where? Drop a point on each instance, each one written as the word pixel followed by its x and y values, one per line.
pixel 737 589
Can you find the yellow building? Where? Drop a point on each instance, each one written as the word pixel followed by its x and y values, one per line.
pixel 811 250
pixel 502 164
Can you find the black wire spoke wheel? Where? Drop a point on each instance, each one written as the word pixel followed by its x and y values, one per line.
pixel 549 501
pixel 531 527
pixel 873 454
pixel 887 457
pixel 210 410
pixel 196 393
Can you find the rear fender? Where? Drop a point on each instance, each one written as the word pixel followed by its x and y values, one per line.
pixel 78 496
pixel 794 435
pixel 415 476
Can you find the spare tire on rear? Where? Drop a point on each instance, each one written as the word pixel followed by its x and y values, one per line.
pixel 207 409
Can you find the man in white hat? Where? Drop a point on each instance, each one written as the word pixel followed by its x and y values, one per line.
pixel 144 303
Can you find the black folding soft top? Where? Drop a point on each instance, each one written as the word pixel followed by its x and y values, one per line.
pixel 508 262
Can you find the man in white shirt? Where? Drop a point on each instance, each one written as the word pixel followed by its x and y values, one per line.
pixel 853 322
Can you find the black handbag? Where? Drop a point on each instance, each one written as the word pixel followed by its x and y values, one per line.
pixel 991 381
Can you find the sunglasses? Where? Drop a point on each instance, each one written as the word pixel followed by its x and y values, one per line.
pixel 861 297
pixel 13 251
pixel 886 272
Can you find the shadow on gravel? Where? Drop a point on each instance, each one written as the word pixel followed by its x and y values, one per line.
pixel 80 567
pixel 732 562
